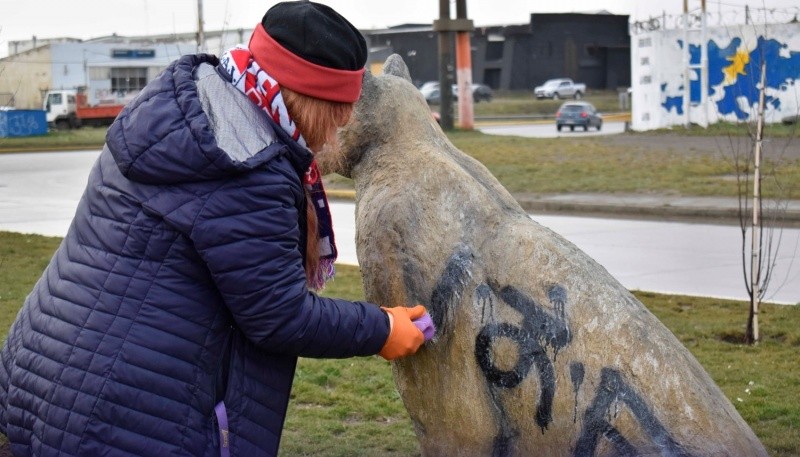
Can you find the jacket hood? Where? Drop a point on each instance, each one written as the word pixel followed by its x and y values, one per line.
pixel 180 130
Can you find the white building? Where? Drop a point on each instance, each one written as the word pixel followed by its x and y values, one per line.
pixel 112 69
pixel 661 67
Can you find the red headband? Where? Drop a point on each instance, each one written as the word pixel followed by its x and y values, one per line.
pixel 301 75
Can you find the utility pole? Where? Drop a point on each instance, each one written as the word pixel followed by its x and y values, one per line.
pixel 445 27
pixel 687 88
pixel 445 58
pixel 703 119
pixel 201 38
pixel 466 111
pixel 703 63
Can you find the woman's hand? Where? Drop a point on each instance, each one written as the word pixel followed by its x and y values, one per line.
pixel 409 329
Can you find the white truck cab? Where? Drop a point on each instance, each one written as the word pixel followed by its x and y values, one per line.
pixel 61 108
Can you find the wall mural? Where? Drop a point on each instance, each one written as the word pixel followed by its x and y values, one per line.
pixel 733 76
pixel 735 55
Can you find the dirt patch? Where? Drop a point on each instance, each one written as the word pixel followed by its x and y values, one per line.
pixel 732 337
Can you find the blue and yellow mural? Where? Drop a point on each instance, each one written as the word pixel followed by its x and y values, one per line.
pixel 734 73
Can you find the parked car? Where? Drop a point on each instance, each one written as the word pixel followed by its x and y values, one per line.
pixel 560 88
pixel 481 92
pixel 578 114
pixel 432 94
pixel 430 90
pixel 428 85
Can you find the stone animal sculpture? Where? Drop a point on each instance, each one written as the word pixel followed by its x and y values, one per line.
pixel 539 351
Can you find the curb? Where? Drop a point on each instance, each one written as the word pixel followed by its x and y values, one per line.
pixel 341 194
pixel 18 150
pixel 697 214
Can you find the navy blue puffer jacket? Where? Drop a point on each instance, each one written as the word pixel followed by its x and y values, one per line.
pixel 179 284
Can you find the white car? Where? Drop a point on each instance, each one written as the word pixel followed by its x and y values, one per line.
pixel 560 88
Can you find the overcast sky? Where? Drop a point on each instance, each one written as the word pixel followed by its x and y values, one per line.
pixel 21 19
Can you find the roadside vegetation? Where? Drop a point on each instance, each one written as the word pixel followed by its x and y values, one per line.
pixel 618 165
pixel 655 163
pixel 666 161
pixel 729 129
pixel 615 164
pixel 351 407
pixel 85 137
pixel 521 103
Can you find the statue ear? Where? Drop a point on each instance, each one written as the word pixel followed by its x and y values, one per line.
pixel 395 66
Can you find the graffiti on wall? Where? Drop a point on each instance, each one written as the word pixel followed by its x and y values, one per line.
pixel 734 72
pixel 16 123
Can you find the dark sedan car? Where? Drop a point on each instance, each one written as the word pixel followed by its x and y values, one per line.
pixel 578 114
pixel 481 92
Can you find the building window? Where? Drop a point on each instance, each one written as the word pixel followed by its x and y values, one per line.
pixel 128 79
pixel 491 77
pixel 54 99
pixel 494 50
pixel 98 73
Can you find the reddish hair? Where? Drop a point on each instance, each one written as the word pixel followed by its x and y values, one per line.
pixel 317 121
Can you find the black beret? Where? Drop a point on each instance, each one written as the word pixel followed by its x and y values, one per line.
pixel 316 33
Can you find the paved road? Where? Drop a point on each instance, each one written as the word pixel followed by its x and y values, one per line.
pixel 39 193
pixel 548 130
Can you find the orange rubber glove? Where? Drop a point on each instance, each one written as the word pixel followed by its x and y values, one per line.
pixel 404 337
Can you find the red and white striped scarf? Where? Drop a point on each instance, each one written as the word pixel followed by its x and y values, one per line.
pixel 264 91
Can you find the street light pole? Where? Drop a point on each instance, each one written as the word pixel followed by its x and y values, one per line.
pixel 201 38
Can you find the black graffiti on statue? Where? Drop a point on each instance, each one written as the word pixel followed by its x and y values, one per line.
pixel 504 442
pixel 448 290
pixel 576 373
pixel 538 330
pixel 613 389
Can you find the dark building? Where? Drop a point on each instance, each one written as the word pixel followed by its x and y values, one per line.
pixel 590 48
pixel 417 44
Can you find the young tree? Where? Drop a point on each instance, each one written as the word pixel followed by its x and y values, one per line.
pixel 761 222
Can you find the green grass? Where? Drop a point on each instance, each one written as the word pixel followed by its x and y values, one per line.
pixel 603 165
pixel 88 137
pixel 22 259
pixel 725 129
pixel 614 165
pixel 524 103
pixel 350 407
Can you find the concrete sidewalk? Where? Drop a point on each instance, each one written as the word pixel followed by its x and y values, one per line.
pixel 722 210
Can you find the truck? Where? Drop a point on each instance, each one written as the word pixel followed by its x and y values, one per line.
pixel 560 88
pixel 69 108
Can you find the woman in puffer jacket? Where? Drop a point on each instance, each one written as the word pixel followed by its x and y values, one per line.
pixel 170 319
